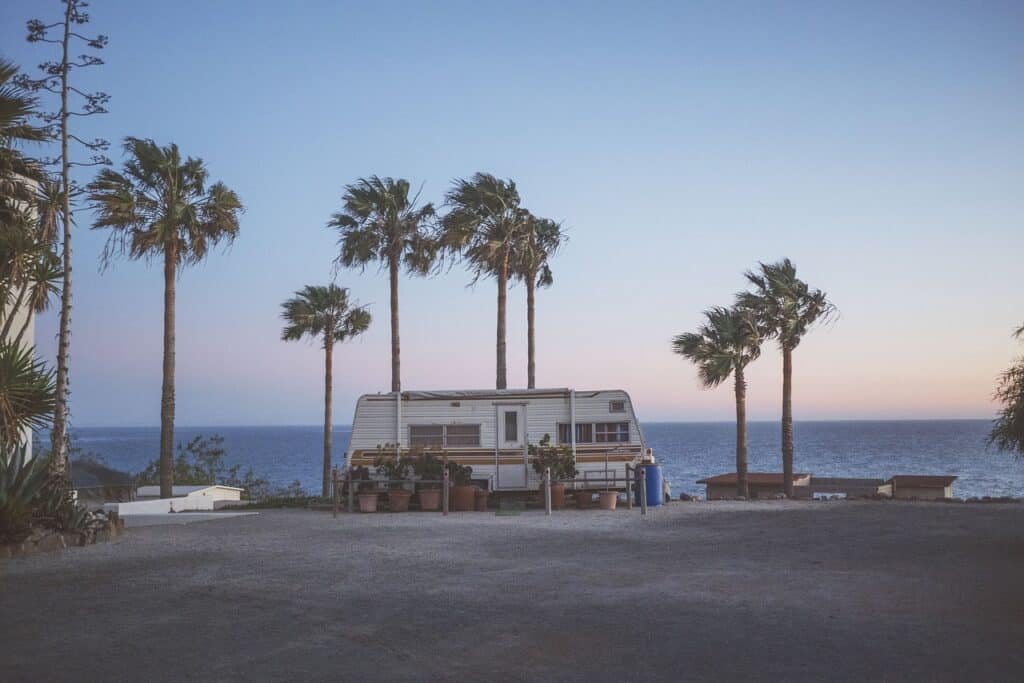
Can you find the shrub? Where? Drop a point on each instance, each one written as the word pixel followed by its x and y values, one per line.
pixel 558 458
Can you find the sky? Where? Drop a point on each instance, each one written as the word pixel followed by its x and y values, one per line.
pixel 878 145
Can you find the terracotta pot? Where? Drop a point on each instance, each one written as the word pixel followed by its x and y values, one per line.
pixel 461 498
pixel 430 499
pixel 367 502
pixel 557 496
pixel 608 499
pixel 583 498
pixel 398 500
pixel 481 500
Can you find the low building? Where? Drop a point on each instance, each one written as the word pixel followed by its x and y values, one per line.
pixel 912 486
pixel 759 484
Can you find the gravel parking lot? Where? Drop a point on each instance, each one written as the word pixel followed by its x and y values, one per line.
pixel 725 590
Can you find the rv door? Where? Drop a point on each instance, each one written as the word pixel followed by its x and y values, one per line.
pixel 510 450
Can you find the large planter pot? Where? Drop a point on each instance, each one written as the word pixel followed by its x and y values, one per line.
pixel 557 496
pixel 583 498
pixel 430 499
pixel 398 500
pixel 367 502
pixel 462 498
pixel 608 499
pixel 480 500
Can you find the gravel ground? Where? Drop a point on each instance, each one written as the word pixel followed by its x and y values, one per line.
pixel 724 590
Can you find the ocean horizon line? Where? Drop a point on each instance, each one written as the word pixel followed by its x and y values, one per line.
pixel 642 422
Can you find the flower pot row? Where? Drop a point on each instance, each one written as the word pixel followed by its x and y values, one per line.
pixel 583 498
pixel 461 498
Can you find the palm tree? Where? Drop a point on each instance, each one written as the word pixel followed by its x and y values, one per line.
pixel 1008 429
pixel 379 221
pixel 324 313
pixel 484 226
pixel 724 345
pixel 787 308
pixel 17 107
pixel 160 205
pixel 541 239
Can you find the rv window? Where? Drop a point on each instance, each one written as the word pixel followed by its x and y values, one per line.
pixel 612 432
pixel 616 406
pixel 584 433
pixel 511 426
pixel 426 435
pixel 462 435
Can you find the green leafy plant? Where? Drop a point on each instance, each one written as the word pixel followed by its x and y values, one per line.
pixel 391 464
pixel 21 480
pixel 427 466
pixel 459 475
pixel 559 458
pixel 201 462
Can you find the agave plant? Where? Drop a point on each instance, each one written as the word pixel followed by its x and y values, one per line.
pixel 21 480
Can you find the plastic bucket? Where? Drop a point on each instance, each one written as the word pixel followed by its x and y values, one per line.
pixel 654 486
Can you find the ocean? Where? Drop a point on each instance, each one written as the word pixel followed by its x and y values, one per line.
pixel 687 451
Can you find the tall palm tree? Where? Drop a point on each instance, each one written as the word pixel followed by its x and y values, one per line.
pixel 787 308
pixel 1008 428
pixel 160 205
pixel 541 239
pixel 324 313
pixel 724 345
pixel 484 225
pixel 380 221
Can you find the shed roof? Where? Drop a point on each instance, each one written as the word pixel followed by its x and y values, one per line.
pixel 922 481
pixel 753 478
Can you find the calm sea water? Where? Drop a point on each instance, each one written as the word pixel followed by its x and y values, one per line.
pixel 687 451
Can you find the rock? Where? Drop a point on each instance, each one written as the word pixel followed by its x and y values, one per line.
pixel 684 497
pixel 50 542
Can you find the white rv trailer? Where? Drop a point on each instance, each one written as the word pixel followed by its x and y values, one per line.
pixel 491 431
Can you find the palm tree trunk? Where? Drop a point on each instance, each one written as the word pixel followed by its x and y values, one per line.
pixel 501 381
pixel 396 361
pixel 167 391
pixel 328 398
pixel 787 421
pixel 58 460
pixel 531 345
pixel 741 434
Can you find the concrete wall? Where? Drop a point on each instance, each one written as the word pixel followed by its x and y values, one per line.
pixel 923 493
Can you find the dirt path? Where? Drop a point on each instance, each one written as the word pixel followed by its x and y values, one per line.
pixel 793 591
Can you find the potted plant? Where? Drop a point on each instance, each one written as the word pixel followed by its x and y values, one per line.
pixel 429 469
pixel 608 499
pixel 463 493
pixel 562 464
pixel 395 469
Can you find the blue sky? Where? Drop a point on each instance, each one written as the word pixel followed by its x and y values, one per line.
pixel 879 145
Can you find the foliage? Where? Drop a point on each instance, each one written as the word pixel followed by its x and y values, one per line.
pixel 459 475
pixel 392 466
pixel 27 394
pixel 427 467
pixel 21 480
pixel 541 238
pixel 1008 428
pixel 785 306
pixel 200 462
pixel 380 221
pixel 559 458
pixel 484 224
pixel 161 204
pixel 323 313
pixel 729 340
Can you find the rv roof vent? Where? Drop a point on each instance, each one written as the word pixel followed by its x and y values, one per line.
pixel 616 406
pixel 456 404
